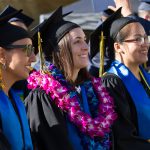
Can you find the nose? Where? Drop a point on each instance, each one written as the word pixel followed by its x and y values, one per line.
pixel 146 44
pixel 85 46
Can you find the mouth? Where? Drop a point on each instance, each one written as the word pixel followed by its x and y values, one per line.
pixel 145 52
pixel 29 68
pixel 83 55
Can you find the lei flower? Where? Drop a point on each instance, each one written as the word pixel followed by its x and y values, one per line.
pixel 66 98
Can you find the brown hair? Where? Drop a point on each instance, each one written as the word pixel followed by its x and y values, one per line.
pixel 63 59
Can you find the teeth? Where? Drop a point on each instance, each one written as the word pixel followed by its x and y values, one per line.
pixel 84 56
pixel 144 52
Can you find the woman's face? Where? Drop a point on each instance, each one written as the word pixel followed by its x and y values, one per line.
pixel 79 48
pixel 18 60
pixel 134 51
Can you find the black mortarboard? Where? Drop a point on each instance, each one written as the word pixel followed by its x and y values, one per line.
pixel 52 31
pixel 107 12
pixel 118 24
pixel 105 27
pixel 10 33
pixel 20 17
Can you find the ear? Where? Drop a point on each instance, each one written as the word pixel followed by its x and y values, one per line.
pixel 2 55
pixel 118 48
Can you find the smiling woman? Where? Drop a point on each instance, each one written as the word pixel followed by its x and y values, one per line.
pixel 126 79
pixel 14 66
pixel 60 116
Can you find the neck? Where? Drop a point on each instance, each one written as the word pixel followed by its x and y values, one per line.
pixel 8 81
pixel 75 74
pixel 134 69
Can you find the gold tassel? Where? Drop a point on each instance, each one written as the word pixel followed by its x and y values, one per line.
pixel 101 45
pixel 2 86
pixel 146 83
pixel 145 66
pixel 40 53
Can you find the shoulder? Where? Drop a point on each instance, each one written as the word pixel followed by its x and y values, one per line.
pixel 110 79
pixel 37 96
pixel 38 92
pixel 116 88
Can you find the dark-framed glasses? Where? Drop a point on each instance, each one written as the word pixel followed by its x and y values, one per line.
pixel 29 49
pixel 140 40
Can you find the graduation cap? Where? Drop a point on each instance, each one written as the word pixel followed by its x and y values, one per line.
pixel 144 5
pixel 52 31
pixel 102 39
pixel 107 12
pixel 105 28
pixel 20 17
pixel 10 33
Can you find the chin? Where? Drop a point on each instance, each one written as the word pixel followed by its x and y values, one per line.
pixel 25 76
pixel 83 66
pixel 144 61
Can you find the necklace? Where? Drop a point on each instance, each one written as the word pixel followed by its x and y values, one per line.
pixel 63 95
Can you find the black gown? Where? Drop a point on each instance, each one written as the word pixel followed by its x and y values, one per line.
pixel 125 128
pixel 47 122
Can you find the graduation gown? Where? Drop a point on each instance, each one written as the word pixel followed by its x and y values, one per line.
pixel 21 89
pixel 47 122
pixel 14 129
pixel 125 128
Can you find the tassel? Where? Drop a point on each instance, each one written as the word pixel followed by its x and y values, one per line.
pixel 146 83
pixel 145 66
pixel 101 68
pixel 40 53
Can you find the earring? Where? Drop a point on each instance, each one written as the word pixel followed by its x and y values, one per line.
pixel 2 66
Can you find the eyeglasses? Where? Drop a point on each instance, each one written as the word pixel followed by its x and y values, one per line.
pixel 29 49
pixel 140 40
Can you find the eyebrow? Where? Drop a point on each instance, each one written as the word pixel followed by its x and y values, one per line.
pixel 79 37
pixel 140 34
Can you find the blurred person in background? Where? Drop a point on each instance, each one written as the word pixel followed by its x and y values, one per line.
pixel 144 9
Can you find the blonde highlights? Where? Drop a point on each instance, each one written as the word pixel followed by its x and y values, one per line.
pixel 63 59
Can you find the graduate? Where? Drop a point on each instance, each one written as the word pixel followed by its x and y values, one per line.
pixel 126 79
pixel 67 109
pixel 24 21
pixel 16 56
pixel 128 11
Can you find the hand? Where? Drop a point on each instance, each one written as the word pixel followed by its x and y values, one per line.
pixel 126 7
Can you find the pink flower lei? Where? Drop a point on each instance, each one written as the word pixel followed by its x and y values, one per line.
pixel 60 94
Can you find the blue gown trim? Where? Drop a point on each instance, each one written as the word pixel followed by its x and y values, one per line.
pixel 138 94
pixel 17 134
